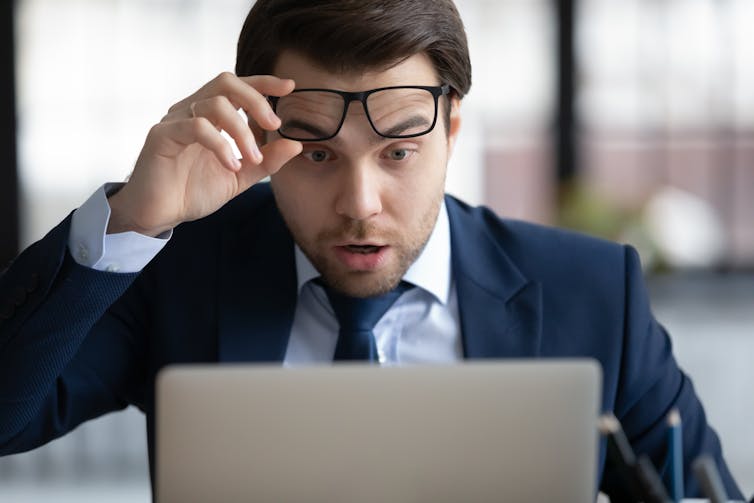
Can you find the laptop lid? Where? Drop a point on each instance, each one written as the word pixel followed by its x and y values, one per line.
pixel 487 431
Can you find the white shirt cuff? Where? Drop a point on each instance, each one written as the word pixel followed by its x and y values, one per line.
pixel 91 246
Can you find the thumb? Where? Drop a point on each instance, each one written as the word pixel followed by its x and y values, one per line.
pixel 276 154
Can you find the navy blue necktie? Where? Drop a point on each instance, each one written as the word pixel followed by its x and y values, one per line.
pixel 357 318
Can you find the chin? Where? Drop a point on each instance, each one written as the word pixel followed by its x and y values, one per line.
pixel 362 284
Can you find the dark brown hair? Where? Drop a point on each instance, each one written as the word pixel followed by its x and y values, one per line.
pixel 354 35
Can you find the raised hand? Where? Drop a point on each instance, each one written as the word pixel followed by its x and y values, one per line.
pixel 186 169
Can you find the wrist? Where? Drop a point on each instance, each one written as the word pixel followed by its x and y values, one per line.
pixel 122 217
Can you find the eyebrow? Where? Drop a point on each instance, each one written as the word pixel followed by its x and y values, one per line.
pixel 399 128
pixel 396 130
pixel 305 126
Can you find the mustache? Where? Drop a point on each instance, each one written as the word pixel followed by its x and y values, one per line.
pixel 357 230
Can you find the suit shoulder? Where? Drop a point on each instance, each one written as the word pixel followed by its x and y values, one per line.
pixel 257 198
pixel 193 242
pixel 536 246
pixel 237 212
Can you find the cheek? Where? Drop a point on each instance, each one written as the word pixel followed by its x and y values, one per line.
pixel 291 185
pixel 288 196
pixel 301 203
pixel 428 179
pixel 416 196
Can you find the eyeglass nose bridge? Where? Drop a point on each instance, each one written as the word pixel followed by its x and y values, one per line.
pixel 360 96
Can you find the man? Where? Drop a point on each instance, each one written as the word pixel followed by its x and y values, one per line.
pixel 353 108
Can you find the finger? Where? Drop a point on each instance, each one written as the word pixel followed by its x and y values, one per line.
pixel 197 130
pixel 243 92
pixel 251 95
pixel 279 152
pixel 220 112
pixel 276 154
pixel 269 85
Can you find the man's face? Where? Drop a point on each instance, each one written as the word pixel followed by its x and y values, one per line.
pixel 360 206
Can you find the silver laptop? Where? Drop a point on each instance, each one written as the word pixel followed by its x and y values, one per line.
pixel 495 431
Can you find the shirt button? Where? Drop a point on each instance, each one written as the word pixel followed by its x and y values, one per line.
pixel 83 253
pixel 113 268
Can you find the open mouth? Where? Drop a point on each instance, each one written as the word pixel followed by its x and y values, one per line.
pixel 364 249
pixel 362 257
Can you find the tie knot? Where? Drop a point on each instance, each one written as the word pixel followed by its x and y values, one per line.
pixel 357 314
pixel 357 318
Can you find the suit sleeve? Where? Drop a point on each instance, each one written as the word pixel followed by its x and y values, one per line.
pixel 650 384
pixel 49 306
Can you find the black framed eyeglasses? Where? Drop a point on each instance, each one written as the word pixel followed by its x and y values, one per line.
pixel 393 112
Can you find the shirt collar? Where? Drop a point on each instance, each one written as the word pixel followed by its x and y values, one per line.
pixel 430 271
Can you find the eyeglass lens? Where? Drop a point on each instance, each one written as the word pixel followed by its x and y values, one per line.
pixel 317 115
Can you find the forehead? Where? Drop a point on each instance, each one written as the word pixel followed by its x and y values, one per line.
pixel 416 70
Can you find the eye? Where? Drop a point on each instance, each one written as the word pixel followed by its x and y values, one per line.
pixel 399 154
pixel 317 155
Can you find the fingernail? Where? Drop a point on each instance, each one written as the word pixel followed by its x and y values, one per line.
pixel 256 153
pixel 273 118
pixel 235 162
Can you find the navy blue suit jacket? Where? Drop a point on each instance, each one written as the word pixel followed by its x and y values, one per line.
pixel 77 343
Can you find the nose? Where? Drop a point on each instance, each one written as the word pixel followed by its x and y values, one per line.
pixel 359 192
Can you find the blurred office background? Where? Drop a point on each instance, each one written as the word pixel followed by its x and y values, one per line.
pixel 628 119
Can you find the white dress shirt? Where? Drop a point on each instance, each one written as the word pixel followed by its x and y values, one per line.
pixel 422 326
pixel 91 246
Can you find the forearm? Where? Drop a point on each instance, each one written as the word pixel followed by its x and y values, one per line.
pixel 46 324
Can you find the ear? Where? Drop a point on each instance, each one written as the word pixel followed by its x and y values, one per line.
pixel 454 126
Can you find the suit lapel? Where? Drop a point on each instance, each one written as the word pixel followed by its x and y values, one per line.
pixel 500 309
pixel 258 294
